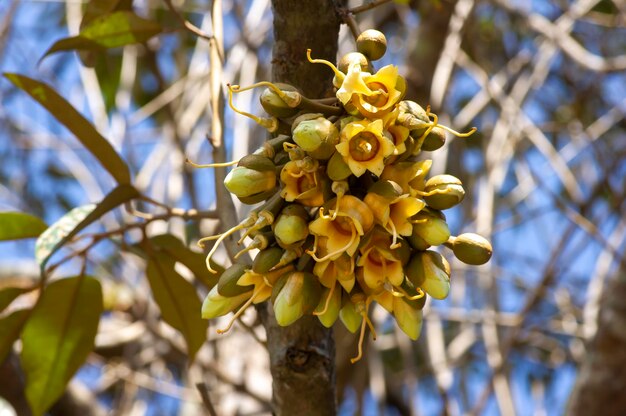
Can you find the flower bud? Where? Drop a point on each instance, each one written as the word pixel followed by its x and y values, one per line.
pixel 435 139
pixel 351 57
pixel 266 259
pixel 317 136
pixel 215 305
pixel 412 116
pixel 253 178
pixel 445 191
pixel 372 43
pixel 295 294
pixel 291 227
pixel 349 316
pixel 276 106
pixel 244 182
pixel 408 317
pixel 337 168
pixel 227 284
pixel 429 229
pixel 329 317
pixel 472 249
pixel 430 271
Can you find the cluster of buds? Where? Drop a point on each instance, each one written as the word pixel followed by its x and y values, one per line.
pixel 348 217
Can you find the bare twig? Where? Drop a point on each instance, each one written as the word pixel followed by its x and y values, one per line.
pixel 186 23
pixel 206 399
pixel 368 6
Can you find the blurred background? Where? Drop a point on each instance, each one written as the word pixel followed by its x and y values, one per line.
pixel 543 81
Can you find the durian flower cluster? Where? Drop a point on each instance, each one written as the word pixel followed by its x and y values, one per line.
pixel 349 216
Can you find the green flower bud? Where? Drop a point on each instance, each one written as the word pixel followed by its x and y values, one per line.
pixel 434 140
pixel 291 227
pixel 317 136
pixel 372 43
pixel 266 259
pixel 445 191
pixel 276 106
pixel 430 271
pixel 429 229
pixel 329 317
pixel 227 284
pixel 408 317
pixel 295 294
pixel 472 249
pixel 215 305
pixel 351 57
pixel 244 182
pixel 349 316
pixel 412 116
pixel 338 169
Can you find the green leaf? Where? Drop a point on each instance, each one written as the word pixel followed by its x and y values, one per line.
pixel 58 337
pixel 67 115
pixel 190 259
pixel 71 223
pixel 109 31
pixel 97 8
pixel 10 328
pixel 8 295
pixel 17 225
pixel 178 301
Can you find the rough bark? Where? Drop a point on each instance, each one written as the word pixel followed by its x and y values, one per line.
pixel 302 355
pixel 601 380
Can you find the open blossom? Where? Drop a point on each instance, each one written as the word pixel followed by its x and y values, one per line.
pixel 348 220
pixel 302 183
pixel 373 95
pixel 393 209
pixel 364 146
pixel 378 262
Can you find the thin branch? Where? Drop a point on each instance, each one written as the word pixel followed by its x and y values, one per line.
pixel 187 24
pixel 368 6
pixel 206 399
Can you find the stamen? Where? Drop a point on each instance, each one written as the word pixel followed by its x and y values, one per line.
pixel 401 293
pixel 324 216
pixel 212 165
pixel 240 311
pixel 291 98
pixel 394 241
pixel 312 252
pixel 353 236
pixel 330 295
pixel 214 249
pixel 365 321
pixel 360 347
pixel 264 219
pixel 456 133
pixel 271 124
pixel 220 237
pixel 338 73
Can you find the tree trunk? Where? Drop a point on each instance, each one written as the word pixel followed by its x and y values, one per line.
pixel 302 356
pixel 601 380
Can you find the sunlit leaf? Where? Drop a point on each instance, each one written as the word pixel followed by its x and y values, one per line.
pixel 71 223
pixel 10 328
pixel 8 295
pixel 192 260
pixel 58 337
pixel 94 9
pixel 84 131
pixel 17 225
pixel 178 301
pixel 109 31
